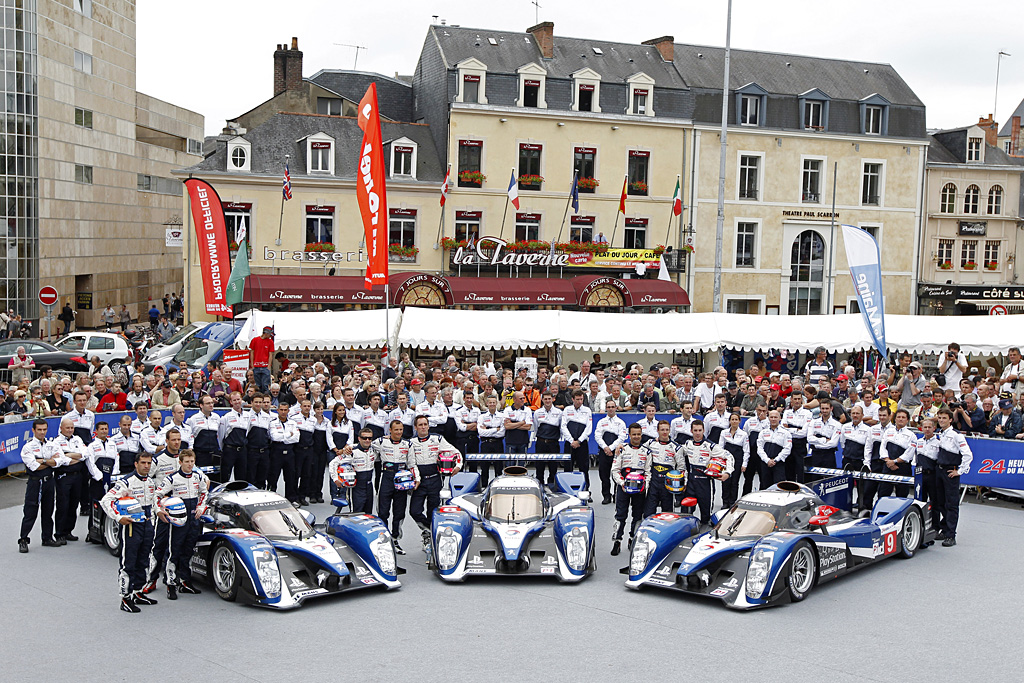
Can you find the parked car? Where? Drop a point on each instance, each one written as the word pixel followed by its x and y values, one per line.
pixel 112 349
pixel 43 353
pixel 205 345
pixel 162 353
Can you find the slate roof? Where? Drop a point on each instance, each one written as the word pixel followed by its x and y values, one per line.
pixel 393 96
pixel 1005 131
pixel 618 62
pixel 283 134
pixel 786 74
pixel 950 147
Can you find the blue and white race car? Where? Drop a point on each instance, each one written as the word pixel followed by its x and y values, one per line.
pixel 515 527
pixel 257 548
pixel 773 546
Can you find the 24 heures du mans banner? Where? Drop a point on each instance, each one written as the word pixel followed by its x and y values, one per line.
pixel 371 192
pixel 212 242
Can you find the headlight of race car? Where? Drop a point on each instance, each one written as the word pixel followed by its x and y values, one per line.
pixel 576 548
pixel 757 573
pixel 384 553
pixel 643 548
pixel 447 548
pixel 269 573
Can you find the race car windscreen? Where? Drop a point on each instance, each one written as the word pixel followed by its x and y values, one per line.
pixel 744 522
pixel 282 523
pixel 513 506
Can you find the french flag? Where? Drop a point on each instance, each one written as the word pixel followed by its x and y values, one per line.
pixel 513 190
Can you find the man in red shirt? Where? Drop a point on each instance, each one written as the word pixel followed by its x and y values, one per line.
pixel 260 350
pixel 113 400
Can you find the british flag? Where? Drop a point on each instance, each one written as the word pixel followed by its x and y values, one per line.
pixel 287 189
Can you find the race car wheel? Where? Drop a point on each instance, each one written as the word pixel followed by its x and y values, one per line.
pixel 112 535
pixel 226 573
pixel 913 533
pixel 803 569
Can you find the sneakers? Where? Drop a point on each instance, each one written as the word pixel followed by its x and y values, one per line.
pixel 22 545
pixel 148 588
pixel 172 592
pixel 949 542
pixel 616 546
pixel 141 599
pixel 51 543
pixel 188 589
pixel 128 605
pixel 398 548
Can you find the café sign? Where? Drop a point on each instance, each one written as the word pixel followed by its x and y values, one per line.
pixel 491 251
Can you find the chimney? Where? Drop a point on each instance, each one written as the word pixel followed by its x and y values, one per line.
pixel 991 130
pixel 279 70
pixel 293 67
pixel 1015 136
pixel 666 46
pixel 544 34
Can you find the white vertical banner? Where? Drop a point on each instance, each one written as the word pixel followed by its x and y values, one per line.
pixel 864 260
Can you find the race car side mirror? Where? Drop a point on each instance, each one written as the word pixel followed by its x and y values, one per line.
pixel 818 520
pixel 308 516
pixel 688 502
pixel 206 519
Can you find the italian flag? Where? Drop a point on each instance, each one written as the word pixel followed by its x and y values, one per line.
pixel 677 200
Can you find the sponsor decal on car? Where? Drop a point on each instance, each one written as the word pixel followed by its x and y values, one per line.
pixel 362 571
pixel 550 559
pixel 305 594
pixel 296 583
pixel 475 561
pixel 721 592
pixel 547 570
pixel 664 571
pixel 731 583
pixel 660 582
pixel 668 516
pixel 369 581
pixel 831 560
pixel 479 570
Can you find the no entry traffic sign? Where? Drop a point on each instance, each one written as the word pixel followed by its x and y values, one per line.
pixel 48 296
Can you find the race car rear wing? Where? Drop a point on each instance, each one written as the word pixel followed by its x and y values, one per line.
pixel 837 486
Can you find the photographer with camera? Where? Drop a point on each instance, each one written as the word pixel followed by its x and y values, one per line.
pixel 1012 381
pixel 952 368
pixel 968 416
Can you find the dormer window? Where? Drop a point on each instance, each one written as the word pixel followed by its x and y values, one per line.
pixel 874 115
pixel 586 90
pixel 472 81
pixel 319 154
pixel 641 95
pixel 973 149
pixel 531 86
pixel 751 101
pixel 814 110
pixel 239 154
pixel 403 158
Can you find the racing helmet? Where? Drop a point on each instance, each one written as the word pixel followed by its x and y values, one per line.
pixel 715 467
pixel 405 480
pixel 174 508
pixel 129 507
pixel 675 481
pixel 633 482
pixel 446 462
pixel 345 476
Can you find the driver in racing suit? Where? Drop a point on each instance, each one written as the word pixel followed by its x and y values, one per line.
pixel 424 450
pixel 393 453
pixel 192 486
pixel 664 456
pixel 361 457
pixel 164 465
pixel 136 537
pixel 632 456
pixel 699 455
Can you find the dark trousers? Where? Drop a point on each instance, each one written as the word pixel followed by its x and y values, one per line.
pixel 604 470
pixel 293 474
pixel 182 545
pixel 871 487
pixel 886 488
pixel 126 462
pixel 547 446
pixel 312 479
pixel 318 466
pixel 68 484
pixel 701 487
pixel 388 500
pixel 39 494
pixel 362 493
pixel 626 503
pixel 856 464
pixel 929 493
pixel 657 495
pixel 233 460
pixel 947 499
pixel 772 475
pixel 428 492
pixel 795 460
pixel 136 543
pixel 281 458
pixel 753 470
pixel 731 488
pixel 516 449
pixel 158 556
pixel 257 466
pixel 580 460
pixel 490 446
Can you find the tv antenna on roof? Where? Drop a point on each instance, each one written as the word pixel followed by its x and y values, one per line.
pixel 536 11
pixel 357 49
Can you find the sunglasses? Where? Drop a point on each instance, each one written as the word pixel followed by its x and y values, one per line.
pixel 364 438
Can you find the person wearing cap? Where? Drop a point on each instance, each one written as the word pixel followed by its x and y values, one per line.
pixel 925 410
pixel 883 398
pixel 260 350
pixel 841 391
pixel 775 401
pixel 909 387
pixel 1006 424
pixel 818 367
pixel 416 393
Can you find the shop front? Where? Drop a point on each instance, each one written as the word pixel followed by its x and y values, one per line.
pixel 935 299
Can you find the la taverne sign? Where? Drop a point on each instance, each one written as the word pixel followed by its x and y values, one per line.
pixel 467 257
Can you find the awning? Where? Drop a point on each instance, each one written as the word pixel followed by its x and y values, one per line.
pixel 639 333
pixel 426 328
pixel 300 330
pixel 605 291
pixel 310 289
pixel 505 292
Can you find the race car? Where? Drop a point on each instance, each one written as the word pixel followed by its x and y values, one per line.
pixel 255 547
pixel 515 527
pixel 773 546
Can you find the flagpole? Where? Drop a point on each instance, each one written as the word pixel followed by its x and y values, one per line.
pixel 565 214
pixel 188 256
pixel 619 209
pixel 672 212
pixel 501 233
pixel 280 220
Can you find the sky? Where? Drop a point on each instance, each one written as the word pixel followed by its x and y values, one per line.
pixel 219 58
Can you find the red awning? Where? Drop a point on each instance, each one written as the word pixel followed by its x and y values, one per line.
pixel 634 292
pixel 310 289
pixel 524 291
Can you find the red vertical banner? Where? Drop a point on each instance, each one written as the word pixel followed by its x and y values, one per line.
pixel 371 192
pixel 212 242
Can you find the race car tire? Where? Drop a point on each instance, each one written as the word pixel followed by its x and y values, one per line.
pixel 111 535
pixel 225 572
pixel 913 534
pixel 803 569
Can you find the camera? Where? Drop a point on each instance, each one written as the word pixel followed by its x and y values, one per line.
pixel 956 405
pixel 950 355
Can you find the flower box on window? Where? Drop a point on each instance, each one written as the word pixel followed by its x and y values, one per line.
pixel 530 181
pixel 452 243
pixel 945 265
pixel 969 265
pixel 233 249
pixel 587 184
pixel 400 254
pixel 637 188
pixel 991 265
pixel 471 178
pixel 320 247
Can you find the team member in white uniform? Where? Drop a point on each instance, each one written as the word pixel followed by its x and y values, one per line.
pixel 796 419
pixel 773 447
pixel 610 434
